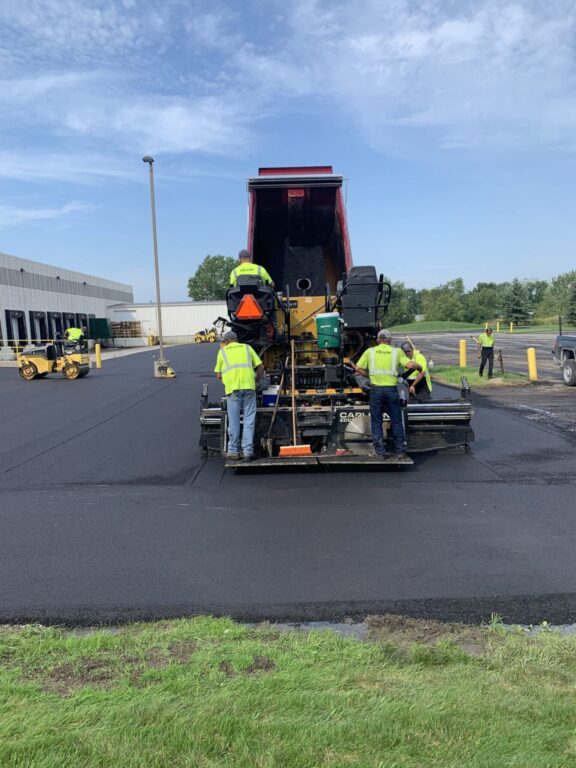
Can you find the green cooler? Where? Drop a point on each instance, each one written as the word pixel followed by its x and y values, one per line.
pixel 329 330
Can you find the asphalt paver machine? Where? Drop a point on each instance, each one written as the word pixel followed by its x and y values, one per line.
pixel 318 319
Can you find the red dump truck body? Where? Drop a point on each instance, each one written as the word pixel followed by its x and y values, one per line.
pixel 297 226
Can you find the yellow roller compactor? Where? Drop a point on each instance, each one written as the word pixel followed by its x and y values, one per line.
pixel 322 314
pixel 206 336
pixel 71 360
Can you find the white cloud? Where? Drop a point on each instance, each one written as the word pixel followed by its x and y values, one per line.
pixel 10 216
pixel 105 76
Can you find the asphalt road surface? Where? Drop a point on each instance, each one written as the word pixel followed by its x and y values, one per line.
pixel 109 513
pixel 443 348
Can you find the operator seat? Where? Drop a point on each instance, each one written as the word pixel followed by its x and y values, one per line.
pixel 359 302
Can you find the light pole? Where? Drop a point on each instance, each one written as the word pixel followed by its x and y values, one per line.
pixel 162 365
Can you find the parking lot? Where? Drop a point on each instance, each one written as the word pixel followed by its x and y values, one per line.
pixel 109 512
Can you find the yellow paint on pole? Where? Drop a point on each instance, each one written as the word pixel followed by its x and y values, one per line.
pixel 486 325
pixel 462 353
pixel 497 326
pixel 98 353
pixel 511 327
pixel 532 368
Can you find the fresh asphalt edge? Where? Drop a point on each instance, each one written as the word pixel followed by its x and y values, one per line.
pixel 511 609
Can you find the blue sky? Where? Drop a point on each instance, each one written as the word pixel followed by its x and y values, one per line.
pixel 454 123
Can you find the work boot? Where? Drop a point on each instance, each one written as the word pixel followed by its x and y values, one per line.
pixel 400 455
pixel 233 456
pixel 374 455
pixel 249 457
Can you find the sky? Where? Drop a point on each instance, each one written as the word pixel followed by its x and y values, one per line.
pixel 453 122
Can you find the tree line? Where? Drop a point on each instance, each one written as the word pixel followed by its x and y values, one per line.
pixel 517 301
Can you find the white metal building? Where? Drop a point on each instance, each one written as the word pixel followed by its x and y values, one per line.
pixel 38 300
pixel 180 319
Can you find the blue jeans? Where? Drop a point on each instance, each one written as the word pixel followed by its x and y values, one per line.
pixel 241 402
pixel 386 400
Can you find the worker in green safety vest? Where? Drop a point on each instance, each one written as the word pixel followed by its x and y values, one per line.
pixel 382 365
pixel 247 267
pixel 239 368
pixel 74 335
pixel 419 382
pixel 486 352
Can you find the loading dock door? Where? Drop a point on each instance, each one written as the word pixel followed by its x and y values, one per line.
pixel 16 333
pixel 69 319
pixel 55 324
pixel 38 327
pixel 82 321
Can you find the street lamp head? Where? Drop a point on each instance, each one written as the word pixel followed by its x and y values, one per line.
pixel 148 159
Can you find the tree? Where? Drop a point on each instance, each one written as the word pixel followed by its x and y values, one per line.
pixel 516 303
pixel 571 308
pixel 211 279
pixel 402 306
pixel 446 302
pixel 556 296
pixel 484 302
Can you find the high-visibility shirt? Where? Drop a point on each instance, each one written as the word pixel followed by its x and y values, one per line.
pixel 419 358
pixel 74 334
pixel 249 268
pixel 383 364
pixel 236 363
pixel 485 340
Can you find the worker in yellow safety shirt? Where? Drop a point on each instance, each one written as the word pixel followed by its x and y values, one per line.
pixel 486 352
pixel 419 382
pixel 247 267
pixel 239 367
pixel 74 335
pixel 382 365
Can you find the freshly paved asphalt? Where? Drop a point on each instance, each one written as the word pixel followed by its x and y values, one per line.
pixel 108 513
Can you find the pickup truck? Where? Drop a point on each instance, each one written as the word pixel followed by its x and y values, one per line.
pixel 565 356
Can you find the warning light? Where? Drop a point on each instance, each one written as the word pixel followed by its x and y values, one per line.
pixel 249 309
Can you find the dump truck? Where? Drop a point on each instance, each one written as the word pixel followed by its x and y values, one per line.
pixel 310 327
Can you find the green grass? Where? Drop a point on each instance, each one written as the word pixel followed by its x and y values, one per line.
pixel 451 374
pixel 447 325
pixel 203 693
pixel 436 325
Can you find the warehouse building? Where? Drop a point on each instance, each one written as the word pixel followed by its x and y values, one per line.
pixel 181 320
pixel 37 300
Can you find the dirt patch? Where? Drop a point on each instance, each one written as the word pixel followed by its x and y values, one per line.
pixel 106 671
pixel 227 669
pixel 260 664
pixel 65 679
pixel 403 632
pixel 181 652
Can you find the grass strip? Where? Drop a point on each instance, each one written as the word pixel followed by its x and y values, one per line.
pixel 452 375
pixel 209 692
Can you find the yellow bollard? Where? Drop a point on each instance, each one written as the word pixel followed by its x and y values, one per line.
pixel 462 353
pixel 532 369
pixel 497 326
pixel 98 352
pixel 511 327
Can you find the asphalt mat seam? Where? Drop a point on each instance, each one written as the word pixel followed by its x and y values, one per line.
pixel 88 429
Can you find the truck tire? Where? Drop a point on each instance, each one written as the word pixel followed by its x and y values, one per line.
pixel 569 373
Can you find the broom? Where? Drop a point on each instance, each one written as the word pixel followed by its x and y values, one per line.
pixel 294 450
